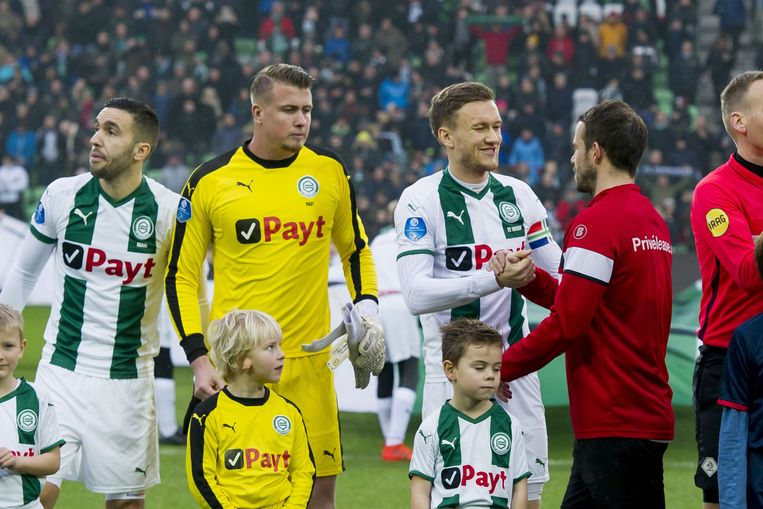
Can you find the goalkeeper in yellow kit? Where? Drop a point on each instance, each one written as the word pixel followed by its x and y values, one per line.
pixel 270 209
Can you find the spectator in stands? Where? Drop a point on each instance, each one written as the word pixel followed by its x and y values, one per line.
pixel 337 46
pixel 686 11
pixel 637 89
pixel 720 61
pixel 528 150
pixel 21 144
pixel 391 42
pixel 14 181
pixel 703 141
pixel 394 90
pixel 496 35
pixel 733 15
pixel 561 44
pixel 559 100
pixel 51 152
pixel 585 71
pixel 175 172
pixel 613 35
pixel 684 72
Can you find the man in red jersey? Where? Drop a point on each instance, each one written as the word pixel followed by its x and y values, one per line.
pixel 726 217
pixel 611 315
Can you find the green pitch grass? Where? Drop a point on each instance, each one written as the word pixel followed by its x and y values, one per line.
pixel 369 482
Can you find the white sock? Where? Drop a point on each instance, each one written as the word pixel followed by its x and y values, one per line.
pixel 383 410
pixel 165 406
pixel 402 406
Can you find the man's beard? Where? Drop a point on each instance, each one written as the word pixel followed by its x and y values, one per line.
pixel 115 167
pixel 473 165
pixel 585 178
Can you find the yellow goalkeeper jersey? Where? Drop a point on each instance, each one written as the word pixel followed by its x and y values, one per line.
pixel 249 452
pixel 271 224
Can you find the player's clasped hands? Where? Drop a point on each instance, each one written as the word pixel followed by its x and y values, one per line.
pixel 513 269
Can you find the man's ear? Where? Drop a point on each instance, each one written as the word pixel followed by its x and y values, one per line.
pixel 257 113
pixel 444 137
pixel 738 122
pixel 141 151
pixel 598 152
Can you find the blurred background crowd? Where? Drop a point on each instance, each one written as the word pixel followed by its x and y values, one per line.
pixel 377 64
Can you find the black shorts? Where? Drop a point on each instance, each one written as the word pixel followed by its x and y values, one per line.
pixel 616 473
pixel 707 383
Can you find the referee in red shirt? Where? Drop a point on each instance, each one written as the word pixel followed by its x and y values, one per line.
pixel 611 315
pixel 726 217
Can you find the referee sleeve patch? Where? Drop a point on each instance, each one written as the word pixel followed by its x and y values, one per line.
pixel 588 264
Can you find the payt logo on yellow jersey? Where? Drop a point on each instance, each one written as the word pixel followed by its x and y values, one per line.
pixel 252 231
pixel 717 222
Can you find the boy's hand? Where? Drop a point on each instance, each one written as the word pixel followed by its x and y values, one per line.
pixel 8 460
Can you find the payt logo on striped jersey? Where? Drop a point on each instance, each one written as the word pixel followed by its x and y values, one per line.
pixel 466 258
pixel 454 477
pixel 90 259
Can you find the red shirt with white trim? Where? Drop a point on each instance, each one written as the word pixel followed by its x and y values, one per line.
pixel 726 216
pixel 611 315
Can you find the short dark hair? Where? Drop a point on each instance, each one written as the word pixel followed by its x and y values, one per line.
pixel 759 254
pixel 459 334
pixel 145 121
pixel 452 98
pixel 619 130
pixel 262 82
pixel 734 95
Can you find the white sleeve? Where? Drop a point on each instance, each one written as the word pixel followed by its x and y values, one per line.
pixel 423 293
pixel 31 259
pixel 548 257
pixel 518 465
pixel 546 253
pixel 48 433
pixel 424 459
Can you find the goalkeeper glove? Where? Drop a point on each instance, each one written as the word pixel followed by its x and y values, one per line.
pixel 361 339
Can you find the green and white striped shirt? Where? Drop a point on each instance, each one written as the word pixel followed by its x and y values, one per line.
pixel 28 427
pixel 470 462
pixel 109 264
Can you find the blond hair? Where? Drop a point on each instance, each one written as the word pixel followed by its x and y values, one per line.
pixel 262 83
pixel 231 336
pixel 11 321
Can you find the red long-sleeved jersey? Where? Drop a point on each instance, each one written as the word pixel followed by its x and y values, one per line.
pixel 726 216
pixel 611 315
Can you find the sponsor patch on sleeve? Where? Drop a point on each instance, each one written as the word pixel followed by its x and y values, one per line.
pixel 717 222
pixel 39 214
pixel 415 228
pixel 184 210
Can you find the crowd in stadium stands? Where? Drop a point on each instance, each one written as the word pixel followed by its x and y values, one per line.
pixel 377 64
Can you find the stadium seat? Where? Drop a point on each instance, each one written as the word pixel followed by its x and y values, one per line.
pixel 614 7
pixel 664 99
pixel 245 48
pixel 568 9
pixel 582 100
pixel 590 9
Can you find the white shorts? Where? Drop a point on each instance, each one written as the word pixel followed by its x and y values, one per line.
pixel 401 329
pixel 109 427
pixel 525 404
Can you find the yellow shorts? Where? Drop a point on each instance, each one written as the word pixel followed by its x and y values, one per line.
pixel 309 383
